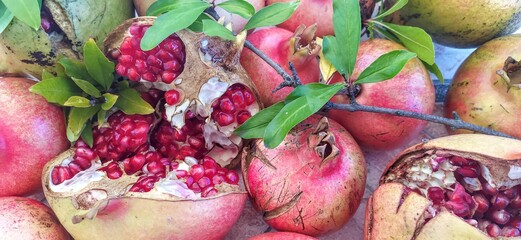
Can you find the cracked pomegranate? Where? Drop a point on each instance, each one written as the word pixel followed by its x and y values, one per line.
pixel 312 183
pixel 172 162
pixel 466 184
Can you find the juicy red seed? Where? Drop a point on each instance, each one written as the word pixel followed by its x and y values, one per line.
pixel 204 182
pixel 144 184
pixel 458 208
pixel 488 189
pixel 84 163
pixel 179 135
pixel 232 177
pixel 208 191
pixel 238 99
pixel 217 179
pixel 493 230
pixel 154 61
pixel 511 193
pixel 59 174
pixel 226 105
pixel 135 30
pixel 481 203
pixel 500 216
pixel 436 194
pixel 459 161
pixel 510 232
pixel 197 171
pixel 164 55
pixel 189 180
pixel 113 170
pixel 181 173
pixel 141 66
pixel 172 65
pixel 516 202
pixel 499 201
pixel 243 116
pixel 149 77
pixel 136 43
pixel 74 168
pixel 133 74
pixel 172 97
pixel 249 98
pixel 168 77
pixel 195 142
pixel 224 119
pixel 156 167
pixel 195 187
pixel 515 222
pixel 126 46
pixel 126 60
pixel 121 70
pixel 134 164
pixel 467 172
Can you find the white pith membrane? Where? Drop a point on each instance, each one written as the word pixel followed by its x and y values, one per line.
pixel 435 169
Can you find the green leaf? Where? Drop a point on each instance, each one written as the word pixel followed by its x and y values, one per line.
pixel 110 100
pixel 56 90
pixel 272 15
pixel 87 87
pixel 435 70
pixel 102 117
pixel 413 38
pixel 77 69
pixel 98 66
pixel 397 6
pixel 385 67
pixel 130 102
pixel 255 126
pixel 197 26
pixel 171 22
pixel 27 11
pixel 70 136
pixel 162 6
pixel 6 17
pixel 87 135
pixel 78 102
pixel 239 7
pixel 342 49
pixel 213 28
pixel 308 90
pixel 295 112
pixel 46 74
pixel 78 118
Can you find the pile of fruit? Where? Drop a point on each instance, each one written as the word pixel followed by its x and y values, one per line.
pixel 253 119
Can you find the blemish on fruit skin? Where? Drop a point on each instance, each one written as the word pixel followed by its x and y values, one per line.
pixel 40 58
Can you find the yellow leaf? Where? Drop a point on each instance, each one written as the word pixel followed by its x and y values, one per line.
pixel 326 68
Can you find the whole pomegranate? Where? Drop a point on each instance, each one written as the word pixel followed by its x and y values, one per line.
pixel 281 236
pixel 463 186
pixel 282 46
pixel 312 183
pixel 32 132
pixel 461 24
pixel 26 218
pixel 410 90
pixel 237 21
pixel 319 12
pixel 482 97
pixel 66 26
pixel 162 175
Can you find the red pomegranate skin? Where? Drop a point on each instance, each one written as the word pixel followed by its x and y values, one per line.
pixel 25 218
pixel 300 192
pixel 410 90
pixel 282 236
pixel 32 132
pixel 482 97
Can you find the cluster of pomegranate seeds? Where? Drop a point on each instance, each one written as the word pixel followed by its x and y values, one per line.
pixel 163 63
pixel 233 105
pixel 496 212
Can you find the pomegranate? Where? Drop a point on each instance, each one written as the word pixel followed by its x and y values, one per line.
pixel 460 24
pixel 312 183
pixel 457 187
pixel 66 25
pixel 410 90
pixel 282 46
pixel 171 163
pixel 482 97
pixel 32 132
pixel 281 236
pixel 237 21
pixel 320 12
pixel 26 218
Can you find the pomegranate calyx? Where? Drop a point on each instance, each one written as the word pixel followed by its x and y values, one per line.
pixel 303 45
pixel 323 141
pixel 511 72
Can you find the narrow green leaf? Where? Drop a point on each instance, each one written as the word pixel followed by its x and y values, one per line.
pixel 385 67
pixel 272 15
pixel 397 6
pixel 70 136
pixel 240 7
pixel 413 38
pixel 213 28
pixel 171 22
pixel 56 90
pixel 46 74
pixel 27 11
pixel 333 52
pixel 6 17
pixel 102 117
pixel 255 126
pixel 78 102
pixel 87 87
pixel 295 112
pixel 77 69
pixel 122 85
pixel 310 89
pixel 78 117
pixel 87 134
pixel 98 66
pixel 130 102
pixel 197 26
pixel 162 6
pixel 110 100
pixel 435 70
pixel 384 32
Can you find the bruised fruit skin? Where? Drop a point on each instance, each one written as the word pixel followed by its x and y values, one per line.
pixel 410 90
pixel 467 184
pixel 462 24
pixel 281 236
pixel 25 218
pixel 320 12
pixel 282 46
pixel 482 97
pixel 66 26
pixel 312 183
pixel 32 132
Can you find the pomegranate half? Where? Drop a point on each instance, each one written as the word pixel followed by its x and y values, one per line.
pixel 457 187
